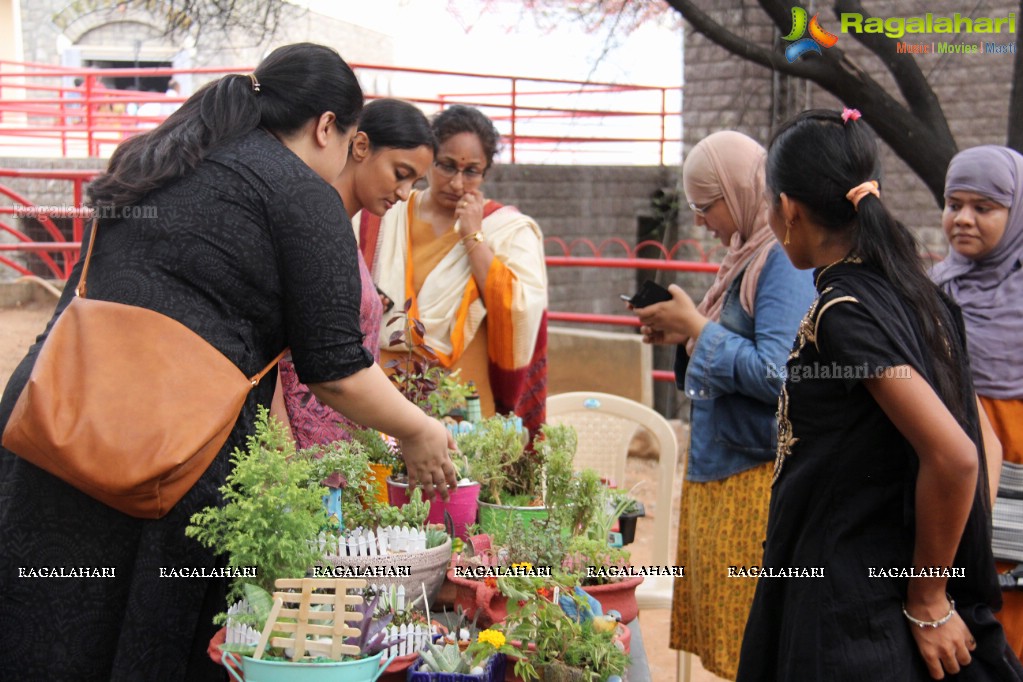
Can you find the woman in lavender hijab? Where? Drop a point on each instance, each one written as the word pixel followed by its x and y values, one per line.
pixel 983 221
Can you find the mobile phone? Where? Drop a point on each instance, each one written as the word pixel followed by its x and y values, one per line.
pixel 651 292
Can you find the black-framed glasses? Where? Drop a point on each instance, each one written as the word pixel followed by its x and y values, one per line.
pixel 450 171
pixel 701 210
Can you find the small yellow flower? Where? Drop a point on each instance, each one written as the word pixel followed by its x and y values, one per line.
pixel 493 637
pixel 525 565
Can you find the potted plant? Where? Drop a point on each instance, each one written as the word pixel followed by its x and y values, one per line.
pixel 410 629
pixel 570 541
pixel 632 510
pixel 438 393
pixel 460 508
pixel 516 480
pixel 273 506
pixel 383 460
pixel 314 643
pixel 483 660
pixel 397 545
pixel 272 513
pixel 575 646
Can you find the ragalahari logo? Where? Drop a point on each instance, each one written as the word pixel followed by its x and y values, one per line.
pixel 818 36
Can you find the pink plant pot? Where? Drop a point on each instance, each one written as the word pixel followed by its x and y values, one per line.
pixel 462 504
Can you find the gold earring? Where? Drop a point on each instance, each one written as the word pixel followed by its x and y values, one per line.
pixel 788 229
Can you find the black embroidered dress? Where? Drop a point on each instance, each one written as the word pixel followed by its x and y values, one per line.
pixel 843 500
pixel 254 252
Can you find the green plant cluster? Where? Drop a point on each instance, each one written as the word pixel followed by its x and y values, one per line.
pixel 581 508
pixel 273 507
pixel 498 461
pixel 561 639
pixel 373 514
pixel 377 450
pixel 449 398
pixel 437 391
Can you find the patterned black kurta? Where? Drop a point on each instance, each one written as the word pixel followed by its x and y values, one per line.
pixel 254 252
pixel 844 500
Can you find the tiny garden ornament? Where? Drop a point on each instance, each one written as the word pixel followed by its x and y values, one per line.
pixel 307 636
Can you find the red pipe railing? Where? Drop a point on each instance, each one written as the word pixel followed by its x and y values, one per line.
pixel 83 115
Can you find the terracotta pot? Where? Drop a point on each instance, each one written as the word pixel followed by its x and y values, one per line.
pixel 489 606
pixel 486 604
pixel 397 671
pixel 619 596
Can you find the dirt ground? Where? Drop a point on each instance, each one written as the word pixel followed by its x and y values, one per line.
pixel 20 326
pixel 18 330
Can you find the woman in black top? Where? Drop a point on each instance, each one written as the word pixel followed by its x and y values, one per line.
pixel 250 248
pixel 877 509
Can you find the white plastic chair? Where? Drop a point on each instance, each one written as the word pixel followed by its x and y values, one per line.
pixel 606 424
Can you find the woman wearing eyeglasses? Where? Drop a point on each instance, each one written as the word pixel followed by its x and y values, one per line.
pixel 730 362
pixel 472 269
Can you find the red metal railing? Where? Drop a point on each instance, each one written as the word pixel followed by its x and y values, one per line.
pixel 576 120
pixel 23 207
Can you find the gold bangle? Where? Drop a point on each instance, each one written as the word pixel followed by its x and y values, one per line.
pixel 477 236
pixel 472 246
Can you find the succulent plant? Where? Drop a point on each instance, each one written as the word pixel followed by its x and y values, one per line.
pixel 445 659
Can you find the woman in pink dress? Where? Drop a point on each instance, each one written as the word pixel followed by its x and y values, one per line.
pixel 393 149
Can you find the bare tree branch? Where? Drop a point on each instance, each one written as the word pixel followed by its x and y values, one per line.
pixel 920 136
pixel 910 79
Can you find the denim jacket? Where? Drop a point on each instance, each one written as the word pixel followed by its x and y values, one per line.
pixel 737 369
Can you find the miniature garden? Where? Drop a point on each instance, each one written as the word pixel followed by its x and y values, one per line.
pixel 520 575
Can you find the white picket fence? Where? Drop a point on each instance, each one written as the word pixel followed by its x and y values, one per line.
pixel 402 640
pixel 236 632
pixel 408 639
pixel 366 542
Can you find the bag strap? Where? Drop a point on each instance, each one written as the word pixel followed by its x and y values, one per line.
pixel 80 291
pixel 255 379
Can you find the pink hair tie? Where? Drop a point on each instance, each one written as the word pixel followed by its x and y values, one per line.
pixel 848 113
pixel 861 190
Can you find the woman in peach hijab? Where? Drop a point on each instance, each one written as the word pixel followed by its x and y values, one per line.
pixel 730 362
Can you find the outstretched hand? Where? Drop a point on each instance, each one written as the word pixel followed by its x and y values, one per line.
pixel 427 456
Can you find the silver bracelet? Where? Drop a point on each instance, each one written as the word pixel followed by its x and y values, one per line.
pixel 932 623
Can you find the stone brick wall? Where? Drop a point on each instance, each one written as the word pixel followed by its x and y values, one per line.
pixel 568 202
pixel 572 202
pixel 723 91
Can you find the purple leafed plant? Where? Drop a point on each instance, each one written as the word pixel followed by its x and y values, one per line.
pixel 372 637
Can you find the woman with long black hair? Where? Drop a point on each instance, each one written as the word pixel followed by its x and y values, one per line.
pixel 251 249
pixel 878 536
